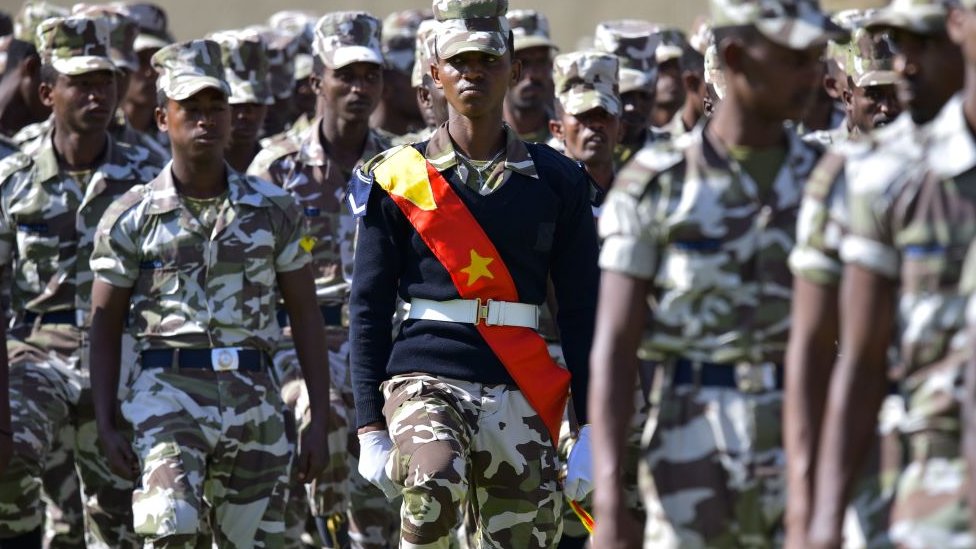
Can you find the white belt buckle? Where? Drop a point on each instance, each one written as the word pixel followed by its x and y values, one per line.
pixel 481 311
pixel 226 359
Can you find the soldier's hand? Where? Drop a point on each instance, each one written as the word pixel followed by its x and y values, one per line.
pixel 6 448
pixel 617 530
pixel 118 450
pixel 313 452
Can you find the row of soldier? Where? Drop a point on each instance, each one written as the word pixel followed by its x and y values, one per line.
pixel 702 229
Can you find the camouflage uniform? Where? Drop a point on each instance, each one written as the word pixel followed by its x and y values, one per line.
pixel 204 284
pixel 530 29
pixel 911 222
pixel 423 57
pixel 302 168
pixel 51 292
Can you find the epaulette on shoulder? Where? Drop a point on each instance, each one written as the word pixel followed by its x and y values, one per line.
pixel 646 165
pixel 13 164
pixel 124 203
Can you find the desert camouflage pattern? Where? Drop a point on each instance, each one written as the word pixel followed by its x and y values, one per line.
pixel 214 457
pixel 925 17
pixel 61 494
pixel 346 37
pixel 151 242
pixel 914 229
pixel 471 25
pixel 245 59
pixel 587 80
pixel 31 138
pixel 189 67
pixel 122 33
pixel 76 44
pixel 399 38
pixel 796 24
pixel 872 59
pixel 530 29
pixel 466 447
pixel 635 43
pixel 30 16
pixel 152 22
pixel 282 46
pixel 424 54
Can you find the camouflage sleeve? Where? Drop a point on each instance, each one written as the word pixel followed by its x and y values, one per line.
pixel 115 259
pixel 292 245
pixel 630 245
pixel 9 167
pixel 821 224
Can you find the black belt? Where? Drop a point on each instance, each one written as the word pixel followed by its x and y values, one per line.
pixel 331 314
pixel 710 374
pixel 250 360
pixel 54 317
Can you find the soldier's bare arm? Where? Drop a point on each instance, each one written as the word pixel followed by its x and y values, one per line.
pixel 109 306
pixel 856 391
pixel 6 435
pixel 810 360
pixel 621 314
pixel 298 292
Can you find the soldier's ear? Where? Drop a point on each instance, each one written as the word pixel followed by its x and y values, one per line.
pixel 516 73
pixel 315 81
pixel 435 74
pixel 160 116
pixel 556 129
pixel 44 90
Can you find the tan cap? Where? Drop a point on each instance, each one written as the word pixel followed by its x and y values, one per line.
pixel 530 29
pixel 795 24
pixel 587 80
pixel 187 68
pixel 75 45
pixel 346 37
pixel 471 25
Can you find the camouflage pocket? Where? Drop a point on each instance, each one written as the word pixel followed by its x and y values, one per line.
pixel 39 255
pixel 259 292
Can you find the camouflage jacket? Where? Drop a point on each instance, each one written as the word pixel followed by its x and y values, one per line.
pixel 48 222
pixel 197 290
pixel 687 218
pixel 302 168
pixel 914 226
pixel 7 147
pixel 30 138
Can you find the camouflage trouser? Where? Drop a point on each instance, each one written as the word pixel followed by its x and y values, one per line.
pixel 482 448
pixel 931 509
pixel 214 458
pixel 340 492
pixel 64 526
pixel 713 469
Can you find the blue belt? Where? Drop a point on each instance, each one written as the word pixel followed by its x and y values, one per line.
pixel 54 317
pixel 710 374
pixel 250 360
pixel 331 314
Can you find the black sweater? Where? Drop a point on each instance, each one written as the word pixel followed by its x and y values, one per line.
pixel 542 228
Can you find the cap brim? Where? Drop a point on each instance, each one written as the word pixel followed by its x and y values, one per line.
pixel 876 78
pixel 149 42
pixel 526 42
pixel 576 103
pixel 801 33
pixel 186 88
pixel 82 65
pixel 303 66
pixel 666 53
pixel 129 63
pixel 464 47
pixel 923 20
pixel 634 80
pixel 347 55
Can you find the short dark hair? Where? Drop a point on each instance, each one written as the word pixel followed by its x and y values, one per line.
pixel 49 74
pixel 161 99
pixel 747 34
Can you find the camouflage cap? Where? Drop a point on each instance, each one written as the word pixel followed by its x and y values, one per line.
pixel 635 42
pixel 152 22
pixel 245 60
pixel 186 68
pixel 30 16
pixel 587 80
pixel 872 60
pixel 671 45
pixel 701 35
pixel 713 71
pixel 282 49
pixel 530 29
pixel 471 25
pixel 925 17
pixel 400 37
pixel 795 24
pixel 346 37
pixel 76 44
pixel 122 33
pixel 296 22
pixel 423 51
pixel 304 66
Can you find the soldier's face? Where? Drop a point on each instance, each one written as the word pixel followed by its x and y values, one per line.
pixel 142 84
pixel 638 105
pixel 352 92
pixel 534 89
pixel 591 136
pixel 247 119
pixel 433 104
pixel 670 89
pixel 83 103
pixel 870 107
pixel 931 69
pixel 304 95
pixel 774 81
pixel 475 83
pixel 198 126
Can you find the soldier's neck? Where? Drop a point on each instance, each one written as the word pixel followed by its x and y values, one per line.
pixel 344 141
pixel 478 139
pixel 199 178
pixel 601 172
pixel 736 126
pixel 78 151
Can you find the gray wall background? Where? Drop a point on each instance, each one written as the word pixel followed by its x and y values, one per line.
pixel 571 20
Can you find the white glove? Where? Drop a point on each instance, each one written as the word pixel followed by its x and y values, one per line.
pixel 374 452
pixel 579 468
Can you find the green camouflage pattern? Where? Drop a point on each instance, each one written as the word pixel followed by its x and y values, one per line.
pixel 30 16
pixel 122 33
pixel 469 9
pixel 346 37
pixel 796 24
pixel 463 447
pixel 194 289
pixel 189 67
pixel 399 38
pixel 298 23
pixel 283 47
pixel 76 44
pixel 152 22
pixel 63 510
pixel 530 29
pixel 925 17
pixel 471 25
pixel 872 59
pixel 424 55
pixel 635 43
pixel 687 217
pixel 587 80
pixel 671 44
pixel 442 155
pixel 245 59
pixel 214 458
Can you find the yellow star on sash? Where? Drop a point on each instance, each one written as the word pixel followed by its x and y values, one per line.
pixel 478 268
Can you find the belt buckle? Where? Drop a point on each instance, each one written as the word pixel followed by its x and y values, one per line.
pixel 755 378
pixel 226 359
pixel 481 311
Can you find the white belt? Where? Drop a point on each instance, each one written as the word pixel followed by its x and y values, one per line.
pixel 473 311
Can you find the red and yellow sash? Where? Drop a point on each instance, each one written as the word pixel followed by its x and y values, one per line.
pixel 450 230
